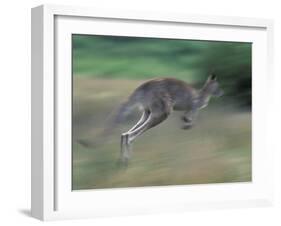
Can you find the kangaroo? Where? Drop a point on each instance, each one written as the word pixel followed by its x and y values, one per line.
pixel 157 98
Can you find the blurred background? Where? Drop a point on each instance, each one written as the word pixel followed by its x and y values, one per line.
pixel 107 69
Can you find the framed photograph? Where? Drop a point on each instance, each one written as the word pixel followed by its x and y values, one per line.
pixel 138 112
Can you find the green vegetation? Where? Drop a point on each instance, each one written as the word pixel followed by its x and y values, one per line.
pixel 107 69
pixel 115 57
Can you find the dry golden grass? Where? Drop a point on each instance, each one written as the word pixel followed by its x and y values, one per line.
pixel 216 150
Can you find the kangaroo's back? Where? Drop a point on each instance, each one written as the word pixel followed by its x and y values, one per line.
pixel 178 91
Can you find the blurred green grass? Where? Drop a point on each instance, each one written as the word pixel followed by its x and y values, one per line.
pixel 142 58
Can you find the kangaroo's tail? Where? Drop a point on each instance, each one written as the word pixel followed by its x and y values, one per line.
pixel 119 115
pixel 115 117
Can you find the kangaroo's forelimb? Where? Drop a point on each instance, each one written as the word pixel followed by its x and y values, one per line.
pixel 189 118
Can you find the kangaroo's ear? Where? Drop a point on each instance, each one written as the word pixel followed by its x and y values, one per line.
pixel 212 77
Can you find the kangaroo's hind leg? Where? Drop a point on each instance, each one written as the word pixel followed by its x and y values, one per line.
pixel 143 118
pixel 125 147
pixel 153 120
pixel 159 111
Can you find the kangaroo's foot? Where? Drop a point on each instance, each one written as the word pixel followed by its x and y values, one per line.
pixel 186 119
pixel 122 163
pixel 125 149
pixel 187 122
pixel 187 126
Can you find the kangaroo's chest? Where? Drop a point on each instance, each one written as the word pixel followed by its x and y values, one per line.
pixel 182 102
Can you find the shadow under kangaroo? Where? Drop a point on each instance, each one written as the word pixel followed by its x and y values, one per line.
pixel 157 99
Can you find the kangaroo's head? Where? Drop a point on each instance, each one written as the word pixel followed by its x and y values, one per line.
pixel 212 87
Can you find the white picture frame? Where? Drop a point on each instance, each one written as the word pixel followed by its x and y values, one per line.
pixel 52 197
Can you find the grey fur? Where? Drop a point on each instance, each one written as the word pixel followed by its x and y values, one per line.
pixel 158 98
